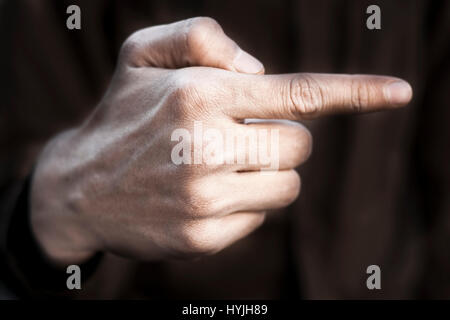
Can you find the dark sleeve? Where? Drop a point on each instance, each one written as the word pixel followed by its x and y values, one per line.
pixel 26 270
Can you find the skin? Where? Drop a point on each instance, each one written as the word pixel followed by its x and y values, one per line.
pixel 110 185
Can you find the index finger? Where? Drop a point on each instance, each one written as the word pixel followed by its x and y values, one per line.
pixel 311 95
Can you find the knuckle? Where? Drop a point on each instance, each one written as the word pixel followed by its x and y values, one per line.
pixel 206 23
pixel 184 87
pixel 130 47
pixel 198 32
pixel 200 200
pixel 360 95
pixel 197 239
pixel 306 95
pixel 190 95
pixel 195 205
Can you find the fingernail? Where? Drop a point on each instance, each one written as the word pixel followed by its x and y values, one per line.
pixel 245 63
pixel 398 93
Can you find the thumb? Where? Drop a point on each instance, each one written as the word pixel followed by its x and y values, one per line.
pixel 193 42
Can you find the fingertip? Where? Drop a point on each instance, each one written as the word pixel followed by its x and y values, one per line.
pixel 398 93
pixel 245 63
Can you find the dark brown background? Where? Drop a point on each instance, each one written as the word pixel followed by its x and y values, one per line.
pixel 375 191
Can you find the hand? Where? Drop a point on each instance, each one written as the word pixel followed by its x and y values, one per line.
pixel 112 185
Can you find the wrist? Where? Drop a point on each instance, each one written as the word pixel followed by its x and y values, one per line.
pixel 57 224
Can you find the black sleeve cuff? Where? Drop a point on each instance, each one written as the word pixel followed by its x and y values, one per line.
pixel 28 272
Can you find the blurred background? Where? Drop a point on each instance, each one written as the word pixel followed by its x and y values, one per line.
pixel 376 189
